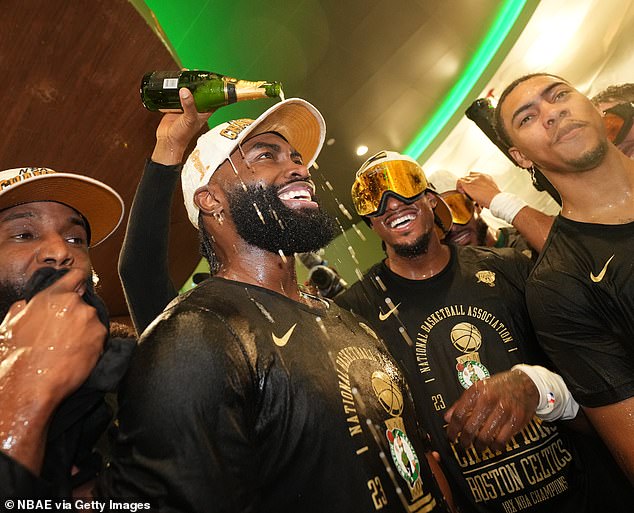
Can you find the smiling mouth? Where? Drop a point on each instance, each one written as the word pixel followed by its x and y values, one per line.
pixel 401 221
pixel 297 195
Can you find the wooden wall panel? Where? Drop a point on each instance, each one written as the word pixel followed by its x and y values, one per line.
pixel 70 101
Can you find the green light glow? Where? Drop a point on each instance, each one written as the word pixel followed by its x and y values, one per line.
pixel 507 16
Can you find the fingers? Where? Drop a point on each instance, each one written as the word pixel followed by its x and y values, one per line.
pixel 192 116
pixel 490 412
pixel 473 425
pixel 14 309
pixel 461 411
pixel 507 430
pixel 187 102
pixel 73 281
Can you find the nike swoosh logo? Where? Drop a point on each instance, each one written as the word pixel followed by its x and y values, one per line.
pixel 383 316
pixel 282 341
pixel 599 277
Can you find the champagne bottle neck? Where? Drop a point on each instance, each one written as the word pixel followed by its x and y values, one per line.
pixel 247 90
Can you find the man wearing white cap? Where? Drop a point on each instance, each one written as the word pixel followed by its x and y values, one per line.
pixel 248 394
pixel 50 341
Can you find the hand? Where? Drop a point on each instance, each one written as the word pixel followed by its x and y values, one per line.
pixel 175 131
pixel 492 410
pixel 52 343
pixel 480 187
pixel 47 349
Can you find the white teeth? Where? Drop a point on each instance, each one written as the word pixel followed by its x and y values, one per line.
pixel 401 220
pixel 295 195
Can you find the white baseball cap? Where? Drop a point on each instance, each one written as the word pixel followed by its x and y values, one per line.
pixel 299 122
pixel 100 205
pixel 443 180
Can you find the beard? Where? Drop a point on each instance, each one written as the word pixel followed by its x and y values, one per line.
pixel 263 220
pixel 9 294
pixel 38 281
pixel 414 249
pixel 481 231
pixel 591 158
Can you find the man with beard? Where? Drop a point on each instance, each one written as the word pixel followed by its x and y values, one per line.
pixel 454 317
pixel 248 394
pixel 581 293
pixel 51 341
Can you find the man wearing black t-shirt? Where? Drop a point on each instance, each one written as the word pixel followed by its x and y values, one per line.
pixel 455 319
pixel 581 293
pixel 248 394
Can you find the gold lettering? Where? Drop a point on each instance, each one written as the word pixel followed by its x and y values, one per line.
pixel 355 430
pixel 353 420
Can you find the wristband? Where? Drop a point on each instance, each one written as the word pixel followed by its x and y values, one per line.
pixel 506 205
pixel 555 400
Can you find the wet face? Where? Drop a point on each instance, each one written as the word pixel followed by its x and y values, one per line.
pixel 553 126
pixel 271 199
pixel 471 234
pixel 35 235
pixel 407 228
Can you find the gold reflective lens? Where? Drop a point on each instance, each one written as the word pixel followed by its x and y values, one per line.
pixel 401 177
pixel 460 205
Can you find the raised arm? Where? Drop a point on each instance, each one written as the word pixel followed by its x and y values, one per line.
pixel 532 224
pixel 143 262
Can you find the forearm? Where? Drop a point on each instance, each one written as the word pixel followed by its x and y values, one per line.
pixel 534 226
pixel 24 419
pixel 614 424
pixel 143 262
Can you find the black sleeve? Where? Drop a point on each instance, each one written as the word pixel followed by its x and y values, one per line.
pixel 185 438
pixel 18 482
pixel 143 262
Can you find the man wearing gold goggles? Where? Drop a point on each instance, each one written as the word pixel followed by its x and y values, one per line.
pixel 440 308
pixel 391 175
pixel 469 226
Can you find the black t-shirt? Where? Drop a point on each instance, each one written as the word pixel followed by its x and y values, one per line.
pixel 464 324
pixel 509 237
pixel 581 300
pixel 240 399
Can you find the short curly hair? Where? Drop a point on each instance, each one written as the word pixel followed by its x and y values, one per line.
pixel 621 93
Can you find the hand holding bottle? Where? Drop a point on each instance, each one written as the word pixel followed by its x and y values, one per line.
pixel 176 130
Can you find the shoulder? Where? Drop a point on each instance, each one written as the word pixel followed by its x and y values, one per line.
pixel 359 292
pixel 198 323
pixel 502 258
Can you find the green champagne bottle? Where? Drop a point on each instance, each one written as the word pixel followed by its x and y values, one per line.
pixel 159 90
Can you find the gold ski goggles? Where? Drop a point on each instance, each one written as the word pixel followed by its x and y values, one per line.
pixel 461 206
pixel 390 174
pixel 401 178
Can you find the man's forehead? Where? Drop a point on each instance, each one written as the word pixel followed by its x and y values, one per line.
pixel 273 138
pixel 536 86
pixel 40 209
